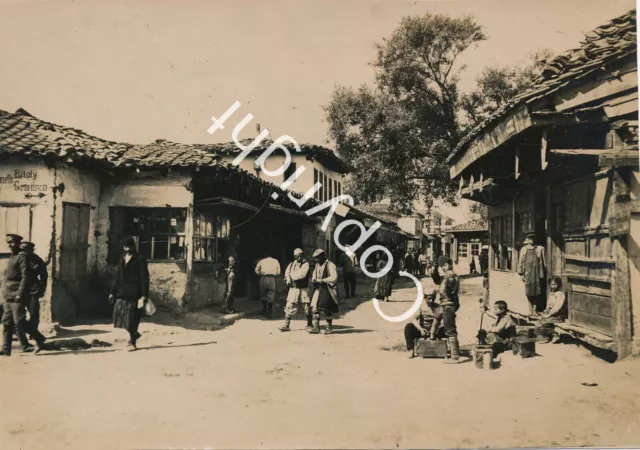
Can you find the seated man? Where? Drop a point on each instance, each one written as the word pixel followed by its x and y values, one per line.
pixel 426 324
pixel 503 328
pixel 554 312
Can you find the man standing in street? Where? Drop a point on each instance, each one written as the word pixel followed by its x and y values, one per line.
pixel 130 290
pixel 422 260
pixel 349 270
pixel 323 291
pixel 268 269
pixel 16 284
pixel 37 285
pixel 531 267
pixel 229 291
pixel 297 278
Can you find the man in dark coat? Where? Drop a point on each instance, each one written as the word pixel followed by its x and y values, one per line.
pixel 37 285
pixel 130 290
pixel 16 280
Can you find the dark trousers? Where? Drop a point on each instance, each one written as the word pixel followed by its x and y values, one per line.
pixel 411 333
pixel 14 318
pixel 33 306
pixel 449 321
pixel 349 284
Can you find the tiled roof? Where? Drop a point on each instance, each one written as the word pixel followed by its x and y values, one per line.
pixel 324 154
pixel 612 41
pixel 378 208
pixel 22 133
pixel 474 225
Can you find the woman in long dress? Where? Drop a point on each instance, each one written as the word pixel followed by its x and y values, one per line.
pixel 382 289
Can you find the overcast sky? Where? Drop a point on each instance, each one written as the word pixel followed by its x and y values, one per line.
pixel 141 70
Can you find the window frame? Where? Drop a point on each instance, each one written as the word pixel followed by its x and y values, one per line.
pixel 152 235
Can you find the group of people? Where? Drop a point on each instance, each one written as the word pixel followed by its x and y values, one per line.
pixel 416 264
pixel 24 283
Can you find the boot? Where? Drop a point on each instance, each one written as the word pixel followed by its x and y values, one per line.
pixel 287 322
pixel 316 324
pixel 455 351
pixel 7 335
pixel 309 323
pixel 270 311
pixel 329 328
pixel 264 309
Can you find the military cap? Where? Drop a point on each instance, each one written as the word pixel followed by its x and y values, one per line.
pixel 14 237
pixel 318 252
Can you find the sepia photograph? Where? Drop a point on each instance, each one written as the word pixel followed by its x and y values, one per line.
pixel 319 224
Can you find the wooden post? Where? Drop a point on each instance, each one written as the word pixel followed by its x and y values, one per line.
pixel 517 170
pixel 461 185
pixel 543 149
pixel 620 278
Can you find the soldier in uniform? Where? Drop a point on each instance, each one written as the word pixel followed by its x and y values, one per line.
pixel 37 286
pixel 323 291
pixel 296 276
pixel 16 281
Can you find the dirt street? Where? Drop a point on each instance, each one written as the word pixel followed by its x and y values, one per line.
pixel 251 386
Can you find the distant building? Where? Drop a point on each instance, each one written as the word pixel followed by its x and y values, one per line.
pixel 469 240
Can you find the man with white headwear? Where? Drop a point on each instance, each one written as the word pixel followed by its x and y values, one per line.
pixel 296 276
pixel 323 291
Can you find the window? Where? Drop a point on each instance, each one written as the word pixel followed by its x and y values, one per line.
pixel 339 188
pixel 316 176
pixel 325 191
pixel 475 249
pixel 462 250
pixel 159 232
pixel 330 189
pixel 290 170
pixel 14 219
pixel 502 241
pixel 211 236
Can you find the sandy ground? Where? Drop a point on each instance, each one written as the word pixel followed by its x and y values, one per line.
pixel 251 386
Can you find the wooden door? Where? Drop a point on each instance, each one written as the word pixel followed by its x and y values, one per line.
pixel 75 241
pixel 587 262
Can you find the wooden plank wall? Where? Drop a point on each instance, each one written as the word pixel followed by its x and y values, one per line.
pixel 588 262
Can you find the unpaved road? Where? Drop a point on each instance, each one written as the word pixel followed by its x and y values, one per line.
pixel 251 386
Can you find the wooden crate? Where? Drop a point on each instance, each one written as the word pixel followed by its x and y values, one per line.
pixel 432 348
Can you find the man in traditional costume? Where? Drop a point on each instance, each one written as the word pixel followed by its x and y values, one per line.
pixel 531 267
pixel 268 269
pixel 323 291
pixel 296 276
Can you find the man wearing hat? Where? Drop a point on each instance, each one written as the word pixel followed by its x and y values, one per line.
pixel 37 286
pixel 296 276
pixel 229 291
pixel 268 269
pixel 449 289
pixel 427 322
pixel 531 267
pixel 130 290
pixel 323 291
pixel 16 281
